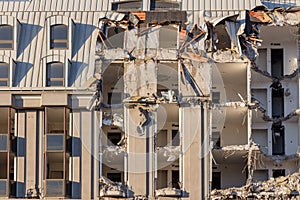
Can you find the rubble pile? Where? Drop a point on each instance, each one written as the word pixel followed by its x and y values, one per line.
pixel 284 187
pixel 110 188
pixel 168 192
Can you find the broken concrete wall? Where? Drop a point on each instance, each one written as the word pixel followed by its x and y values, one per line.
pixel 194 143
pixel 198 71
pixel 158 77
pixel 140 78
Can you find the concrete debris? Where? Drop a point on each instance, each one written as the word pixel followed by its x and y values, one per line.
pixel 140 197
pixel 260 15
pixel 171 192
pixel 107 121
pixel 169 96
pixel 115 120
pixel 287 187
pixel 229 55
pixel 169 152
pixel 34 193
pixel 109 188
pixel 113 153
pixel 145 121
pixel 251 160
pixel 118 120
pixel 115 149
pixel 245 147
pixel 143 101
pixel 193 56
pixel 193 36
pixel 278 120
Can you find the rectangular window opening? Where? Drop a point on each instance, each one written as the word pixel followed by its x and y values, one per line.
pixel 278 172
pixel 260 175
pixel 59 36
pixel 175 179
pixel 6 37
pixel 4 74
pixel 3 165
pixel 55 165
pixel 175 138
pixel 115 177
pixel 278 147
pixel 277 103
pixel 216 180
pixel 55 74
pixel 277 63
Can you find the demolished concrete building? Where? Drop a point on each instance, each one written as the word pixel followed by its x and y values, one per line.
pixel 146 99
pixel 264 135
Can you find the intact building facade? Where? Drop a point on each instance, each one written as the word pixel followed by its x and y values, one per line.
pixel 145 99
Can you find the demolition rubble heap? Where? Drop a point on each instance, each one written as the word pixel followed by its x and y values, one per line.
pixel 284 187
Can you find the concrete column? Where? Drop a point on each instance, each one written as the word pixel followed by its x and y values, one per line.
pixel 40 149
pixel 193 174
pixel 31 147
pixel 140 154
pixel 86 130
pixel 96 131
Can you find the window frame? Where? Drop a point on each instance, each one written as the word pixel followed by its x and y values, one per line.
pixel 7 80
pixel 11 69
pixel 49 79
pixel 65 154
pixel 7 41
pixel 52 41
pixel 60 20
pixel 115 6
pixel 153 5
pixel 278 140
